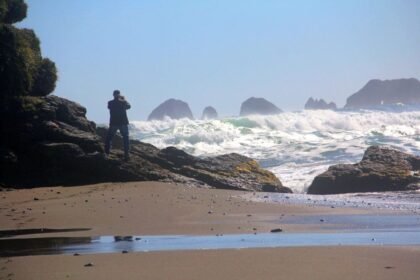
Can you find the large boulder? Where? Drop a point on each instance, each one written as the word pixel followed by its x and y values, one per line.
pixel 172 108
pixel 388 92
pixel 381 169
pixel 209 113
pixel 49 141
pixel 319 104
pixel 258 106
pixel 230 171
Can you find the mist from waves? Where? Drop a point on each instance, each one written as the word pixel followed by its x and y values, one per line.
pixel 296 146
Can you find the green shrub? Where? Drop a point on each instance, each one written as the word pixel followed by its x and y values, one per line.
pixel 45 79
pixel 12 11
pixel 20 59
pixel 23 71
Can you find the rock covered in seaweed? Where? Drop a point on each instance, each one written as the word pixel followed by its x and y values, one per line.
pixel 229 171
pixel 381 169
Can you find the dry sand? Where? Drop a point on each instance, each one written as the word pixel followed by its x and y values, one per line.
pixel 150 208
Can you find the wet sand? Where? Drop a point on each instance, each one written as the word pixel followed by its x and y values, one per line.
pixel 150 208
pixel 285 263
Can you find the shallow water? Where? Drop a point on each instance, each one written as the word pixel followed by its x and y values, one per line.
pixel 334 230
pixel 359 223
pixel 118 244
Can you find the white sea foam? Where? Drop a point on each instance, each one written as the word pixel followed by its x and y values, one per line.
pixel 405 201
pixel 296 146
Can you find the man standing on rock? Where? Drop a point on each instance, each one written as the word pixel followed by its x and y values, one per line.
pixel 118 121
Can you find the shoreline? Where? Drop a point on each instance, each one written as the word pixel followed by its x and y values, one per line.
pixel 153 208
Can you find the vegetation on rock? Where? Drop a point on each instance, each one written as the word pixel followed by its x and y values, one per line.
pixel 12 11
pixel 23 71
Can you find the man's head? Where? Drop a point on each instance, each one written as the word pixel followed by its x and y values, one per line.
pixel 116 93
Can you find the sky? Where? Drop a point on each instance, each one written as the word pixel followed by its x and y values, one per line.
pixel 220 53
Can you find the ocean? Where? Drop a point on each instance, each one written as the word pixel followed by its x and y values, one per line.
pixel 295 146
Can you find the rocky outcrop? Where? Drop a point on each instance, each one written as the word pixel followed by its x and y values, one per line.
pixel 172 108
pixel 381 169
pixel 377 93
pixel 209 113
pixel 48 141
pixel 319 104
pixel 258 106
pixel 231 171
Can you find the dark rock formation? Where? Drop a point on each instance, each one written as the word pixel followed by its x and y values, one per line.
pixel 381 169
pixel 319 104
pixel 258 106
pixel 172 108
pixel 209 113
pixel 377 93
pixel 49 141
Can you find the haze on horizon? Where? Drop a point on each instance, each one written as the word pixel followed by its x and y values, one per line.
pixel 220 53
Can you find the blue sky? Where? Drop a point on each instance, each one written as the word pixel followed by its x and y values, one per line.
pixel 220 53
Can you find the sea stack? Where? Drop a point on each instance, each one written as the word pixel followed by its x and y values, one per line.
pixel 319 104
pixel 258 106
pixel 209 113
pixel 172 108
pixel 388 92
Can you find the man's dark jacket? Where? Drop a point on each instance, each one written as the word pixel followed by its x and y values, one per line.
pixel 117 109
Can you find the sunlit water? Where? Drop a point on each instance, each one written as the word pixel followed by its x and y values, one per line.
pixel 128 244
pixel 296 146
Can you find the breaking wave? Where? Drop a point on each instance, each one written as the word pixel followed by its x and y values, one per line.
pixel 296 146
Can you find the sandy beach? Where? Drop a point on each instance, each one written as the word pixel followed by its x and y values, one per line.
pixel 149 208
